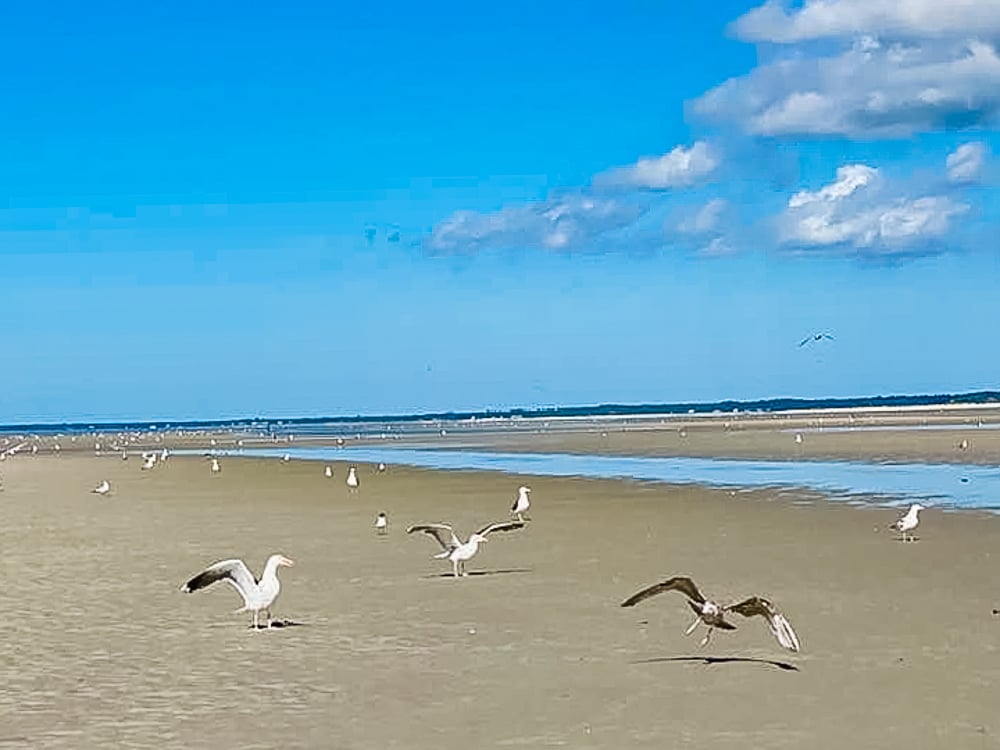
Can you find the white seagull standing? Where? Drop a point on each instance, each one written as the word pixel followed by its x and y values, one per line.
pixel 215 466
pixel 148 460
pixel 328 472
pixel 103 488
pixel 352 479
pixel 381 523
pixel 258 595
pixel 453 548
pixel 908 522
pixel 714 615
pixel 523 502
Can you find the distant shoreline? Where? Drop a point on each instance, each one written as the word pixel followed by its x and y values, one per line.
pixel 775 407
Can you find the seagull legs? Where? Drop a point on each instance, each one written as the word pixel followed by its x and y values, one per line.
pixel 708 637
pixel 694 624
pixel 454 568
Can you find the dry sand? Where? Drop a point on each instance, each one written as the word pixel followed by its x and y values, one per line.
pixel 100 649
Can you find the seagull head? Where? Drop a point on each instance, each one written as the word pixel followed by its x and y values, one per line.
pixel 524 489
pixel 474 537
pixel 285 561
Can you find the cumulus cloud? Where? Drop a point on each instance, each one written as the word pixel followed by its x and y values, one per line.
pixel 557 223
pixel 857 212
pixel 965 163
pixel 871 89
pixel 816 19
pixel 679 167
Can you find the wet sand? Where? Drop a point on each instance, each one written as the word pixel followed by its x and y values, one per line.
pixel 100 649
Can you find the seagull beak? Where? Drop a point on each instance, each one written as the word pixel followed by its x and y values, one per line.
pixel 287 561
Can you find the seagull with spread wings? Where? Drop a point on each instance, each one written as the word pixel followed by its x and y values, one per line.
pixel 815 337
pixel 453 548
pixel 713 615
pixel 258 594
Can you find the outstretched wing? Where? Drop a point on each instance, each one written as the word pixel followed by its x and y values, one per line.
pixel 502 526
pixel 234 572
pixel 442 532
pixel 780 627
pixel 678 583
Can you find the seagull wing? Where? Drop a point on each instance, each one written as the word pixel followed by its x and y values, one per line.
pixel 678 583
pixel 442 532
pixel 780 627
pixel 805 341
pixel 234 572
pixel 502 526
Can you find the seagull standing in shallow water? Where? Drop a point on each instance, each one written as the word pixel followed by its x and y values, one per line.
pixel 908 522
pixel 523 502
pixel 258 595
pixel 714 615
pixel 453 548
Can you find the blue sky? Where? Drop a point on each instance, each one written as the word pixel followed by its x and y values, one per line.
pixel 249 210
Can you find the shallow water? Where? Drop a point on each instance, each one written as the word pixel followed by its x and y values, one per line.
pixel 951 485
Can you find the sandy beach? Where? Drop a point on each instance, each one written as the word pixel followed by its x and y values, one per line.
pixel 899 643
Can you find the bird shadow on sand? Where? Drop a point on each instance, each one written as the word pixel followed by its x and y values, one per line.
pixel 714 660
pixel 471 573
pixel 275 624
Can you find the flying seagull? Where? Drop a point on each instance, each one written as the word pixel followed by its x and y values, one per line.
pixel 713 615
pixel 908 522
pixel 258 595
pixel 815 337
pixel 453 548
pixel 103 488
pixel 523 502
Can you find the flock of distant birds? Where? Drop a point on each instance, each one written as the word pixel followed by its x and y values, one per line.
pixel 259 594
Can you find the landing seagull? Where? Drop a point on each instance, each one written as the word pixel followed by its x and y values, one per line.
pixel 523 502
pixel 258 595
pixel 103 488
pixel 713 615
pixel 908 522
pixel 453 548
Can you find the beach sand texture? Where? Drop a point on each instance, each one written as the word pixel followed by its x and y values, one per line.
pixel 100 649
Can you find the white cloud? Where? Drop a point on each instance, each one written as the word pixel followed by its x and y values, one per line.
pixel 679 167
pixel 870 90
pixel 557 223
pixel 965 163
pixel 817 19
pixel 854 212
pixel 706 220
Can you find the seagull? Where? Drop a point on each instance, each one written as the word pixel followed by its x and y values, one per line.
pixel 381 523
pixel 523 502
pixel 713 615
pixel 328 472
pixel 215 466
pixel 352 478
pixel 453 548
pixel 908 522
pixel 124 455
pixel 815 337
pixel 103 488
pixel 286 457
pixel 148 460
pixel 380 468
pixel 258 595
